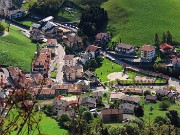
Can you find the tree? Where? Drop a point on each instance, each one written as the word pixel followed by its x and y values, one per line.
pixel 169 38
pixel 164 105
pixel 147 92
pixel 87 116
pixel 164 38
pixel 2 29
pixel 156 40
pixel 64 120
pixel 138 111
pixel 174 118
pixel 83 109
pixel 160 120
pixel 49 110
pixel 92 21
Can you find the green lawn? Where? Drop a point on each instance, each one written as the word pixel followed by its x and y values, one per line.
pixel 156 111
pixel 137 21
pixel 27 23
pixel 16 49
pixel 48 126
pixel 106 69
pixel 74 16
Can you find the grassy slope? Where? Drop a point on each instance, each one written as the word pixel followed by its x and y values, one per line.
pixel 136 21
pixel 48 126
pixel 16 50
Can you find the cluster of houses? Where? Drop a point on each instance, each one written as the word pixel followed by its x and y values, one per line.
pixel 9 10
pixel 148 52
pixel 47 28
pixel 127 98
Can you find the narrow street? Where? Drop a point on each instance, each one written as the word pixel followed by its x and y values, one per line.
pixel 60 62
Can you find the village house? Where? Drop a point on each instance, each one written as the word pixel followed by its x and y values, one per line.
pixel 133 91
pixel 163 93
pixel 116 96
pixel 166 48
pixel 36 35
pixel 125 48
pixel 61 89
pixel 97 94
pixel 61 106
pixel 69 60
pixel 46 93
pixel 147 52
pixel 85 57
pixel 88 102
pixel 131 100
pixel 73 41
pixel 150 98
pixel 67 89
pixel 127 108
pixel 176 62
pixel 73 72
pixel 112 115
pixel 102 38
pixel 51 43
pixel 83 85
pixel 41 64
pixel 93 50
pixel 88 75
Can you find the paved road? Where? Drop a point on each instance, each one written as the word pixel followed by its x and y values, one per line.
pixel 60 62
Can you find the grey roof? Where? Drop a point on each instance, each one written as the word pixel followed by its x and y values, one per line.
pixel 125 46
pixel 88 100
pixel 162 92
pixel 150 97
pixel 131 99
pixel 127 106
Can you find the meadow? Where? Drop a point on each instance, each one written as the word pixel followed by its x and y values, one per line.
pixel 16 49
pixel 137 21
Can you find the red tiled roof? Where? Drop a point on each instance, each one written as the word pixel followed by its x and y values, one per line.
pixel 92 48
pixel 59 97
pixel 147 48
pixel 165 46
pixel 51 41
pixel 68 57
pixel 73 102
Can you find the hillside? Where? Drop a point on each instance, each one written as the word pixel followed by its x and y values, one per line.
pixel 16 49
pixel 136 21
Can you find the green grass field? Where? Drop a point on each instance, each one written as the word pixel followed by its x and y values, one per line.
pixel 156 111
pixel 137 21
pixel 16 49
pixel 106 69
pixel 48 126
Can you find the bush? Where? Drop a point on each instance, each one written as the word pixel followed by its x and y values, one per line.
pixel 87 116
pixel 147 92
pixel 164 105
pixel 2 29
pixel 160 120
pixel 64 121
